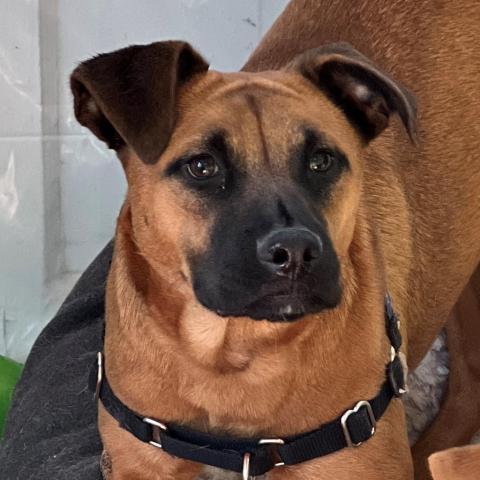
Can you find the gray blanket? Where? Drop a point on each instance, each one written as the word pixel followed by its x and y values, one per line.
pixel 51 431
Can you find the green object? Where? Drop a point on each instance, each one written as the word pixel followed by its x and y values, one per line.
pixel 9 374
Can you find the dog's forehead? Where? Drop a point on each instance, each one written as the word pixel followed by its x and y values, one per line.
pixel 282 84
pixel 280 100
pixel 217 85
pixel 231 98
pixel 258 111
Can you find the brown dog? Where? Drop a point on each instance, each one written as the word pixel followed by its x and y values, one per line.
pixel 456 463
pixel 282 195
pixel 459 418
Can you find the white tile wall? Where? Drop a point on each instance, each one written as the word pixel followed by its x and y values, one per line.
pixel 21 240
pixel 60 189
pixel 20 100
pixel 93 186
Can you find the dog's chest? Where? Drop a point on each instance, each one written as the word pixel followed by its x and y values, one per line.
pixel 212 473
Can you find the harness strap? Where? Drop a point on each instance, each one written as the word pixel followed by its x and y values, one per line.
pixel 257 456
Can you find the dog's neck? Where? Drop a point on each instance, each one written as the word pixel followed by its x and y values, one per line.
pixel 171 359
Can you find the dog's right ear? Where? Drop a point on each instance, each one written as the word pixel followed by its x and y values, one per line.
pixel 368 96
pixel 128 97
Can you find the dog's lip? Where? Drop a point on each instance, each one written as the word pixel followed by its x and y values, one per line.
pixel 290 294
pixel 278 308
pixel 279 298
pixel 279 303
pixel 283 306
pixel 284 287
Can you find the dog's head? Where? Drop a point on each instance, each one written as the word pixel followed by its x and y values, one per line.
pixel 245 184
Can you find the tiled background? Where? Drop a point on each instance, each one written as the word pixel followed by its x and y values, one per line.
pixel 60 189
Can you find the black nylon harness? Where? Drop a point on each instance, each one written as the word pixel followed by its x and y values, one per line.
pixel 254 457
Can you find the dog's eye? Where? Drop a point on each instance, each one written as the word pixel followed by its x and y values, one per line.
pixel 321 160
pixel 202 167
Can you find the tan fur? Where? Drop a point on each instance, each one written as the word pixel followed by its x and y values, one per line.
pixel 456 464
pixel 459 418
pixel 405 218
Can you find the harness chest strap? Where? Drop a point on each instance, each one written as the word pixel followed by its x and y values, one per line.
pixel 254 457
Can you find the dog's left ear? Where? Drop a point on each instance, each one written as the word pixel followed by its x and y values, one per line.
pixel 366 94
pixel 128 97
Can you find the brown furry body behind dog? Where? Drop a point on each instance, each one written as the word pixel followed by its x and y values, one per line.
pixel 401 218
pixel 456 464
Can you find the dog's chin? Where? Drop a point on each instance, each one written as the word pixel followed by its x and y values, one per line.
pixel 277 308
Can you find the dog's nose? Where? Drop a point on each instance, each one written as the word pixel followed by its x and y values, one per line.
pixel 289 251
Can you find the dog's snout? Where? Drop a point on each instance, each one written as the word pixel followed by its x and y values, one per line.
pixel 289 251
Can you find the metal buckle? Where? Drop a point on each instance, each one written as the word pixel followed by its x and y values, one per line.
pixel 403 360
pixel 399 391
pixel 247 456
pixel 273 441
pixel 346 415
pixel 157 426
pixel 393 353
pixel 246 467
pixel 99 375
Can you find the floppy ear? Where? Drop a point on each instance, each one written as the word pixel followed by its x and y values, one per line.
pixel 367 95
pixel 128 97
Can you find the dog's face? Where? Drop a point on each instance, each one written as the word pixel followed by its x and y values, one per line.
pixel 274 183
pixel 245 184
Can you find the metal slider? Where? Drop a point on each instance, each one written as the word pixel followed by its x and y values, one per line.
pixel 98 386
pixel 273 441
pixel 157 426
pixel 346 415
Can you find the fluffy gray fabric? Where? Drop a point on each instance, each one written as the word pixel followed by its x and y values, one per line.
pixel 51 430
pixel 427 385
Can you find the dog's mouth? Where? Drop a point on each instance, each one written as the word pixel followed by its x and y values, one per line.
pixel 280 307
pixel 287 301
pixel 283 307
